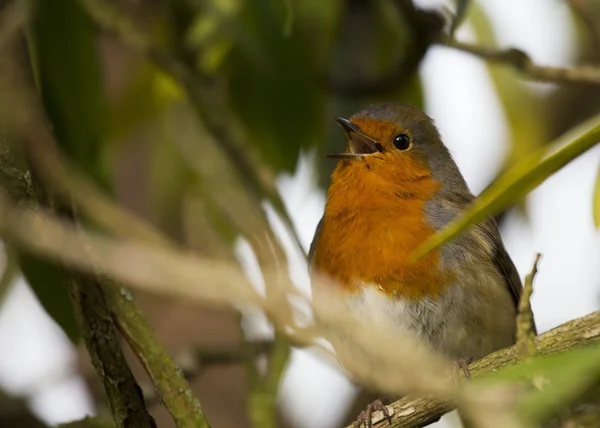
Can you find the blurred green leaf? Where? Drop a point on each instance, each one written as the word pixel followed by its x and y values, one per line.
pixel 68 68
pixel 68 72
pixel 555 381
pixel 148 93
pixel 596 202
pixel 517 182
pixel 46 281
pixel 277 93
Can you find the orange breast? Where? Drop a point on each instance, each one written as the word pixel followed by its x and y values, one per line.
pixel 369 230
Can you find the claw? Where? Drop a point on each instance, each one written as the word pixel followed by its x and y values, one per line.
pixel 463 364
pixel 366 416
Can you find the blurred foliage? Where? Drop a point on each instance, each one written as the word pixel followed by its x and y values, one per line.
pixel 550 382
pixel 275 90
pixel 284 68
pixel 67 67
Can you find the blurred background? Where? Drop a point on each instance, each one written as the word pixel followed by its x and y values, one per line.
pixel 283 69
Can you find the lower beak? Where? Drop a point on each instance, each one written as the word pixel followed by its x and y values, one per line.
pixel 359 144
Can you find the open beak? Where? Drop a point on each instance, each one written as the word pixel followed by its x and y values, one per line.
pixel 359 144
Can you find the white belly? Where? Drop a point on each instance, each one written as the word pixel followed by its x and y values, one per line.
pixel 457 324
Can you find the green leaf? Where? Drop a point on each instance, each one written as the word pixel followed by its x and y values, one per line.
pixel 46 281
pixel 276 92
pixel 554 381
pixel 517 182
pixel 596 202
pixel 68 69
pixel 65 55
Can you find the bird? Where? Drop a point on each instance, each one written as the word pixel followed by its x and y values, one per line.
pixel 395 186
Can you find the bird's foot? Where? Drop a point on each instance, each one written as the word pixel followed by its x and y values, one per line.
pixel 365 418
pixel 463 364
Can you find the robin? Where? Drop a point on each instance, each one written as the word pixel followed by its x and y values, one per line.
pixel 394 187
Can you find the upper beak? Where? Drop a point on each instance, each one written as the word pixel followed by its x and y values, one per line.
pixel 358 143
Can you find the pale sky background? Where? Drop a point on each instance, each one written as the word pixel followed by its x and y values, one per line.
pixel 36 357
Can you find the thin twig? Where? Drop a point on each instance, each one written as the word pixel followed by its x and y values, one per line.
pixel 522 62
pixel 525 323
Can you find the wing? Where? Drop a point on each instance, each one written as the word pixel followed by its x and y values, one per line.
pixel 503 262
pixel 454 204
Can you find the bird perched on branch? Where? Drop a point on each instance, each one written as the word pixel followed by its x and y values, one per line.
pixel 394 187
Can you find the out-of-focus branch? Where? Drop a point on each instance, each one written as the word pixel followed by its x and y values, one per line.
pixel 421 411
pixel 393 368
pixel 522 62
pixel 206 96
pixel 88 293
pixel 525 323
pixel 92 314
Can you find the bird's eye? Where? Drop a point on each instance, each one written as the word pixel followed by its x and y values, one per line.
pixel 402 142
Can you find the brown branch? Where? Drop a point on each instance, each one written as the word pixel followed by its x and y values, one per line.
pixel 102 341
pixel 523 63
pixel 92 314
pixel 414 412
